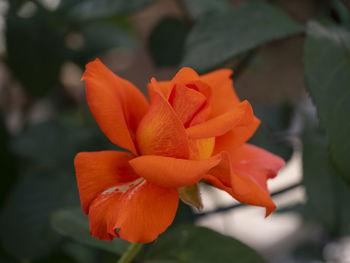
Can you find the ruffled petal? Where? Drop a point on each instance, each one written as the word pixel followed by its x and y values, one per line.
pixel 224 97
pixel 186 102
pixel 241 115
pixel 98 171
pixel 137 214
pixel 117 105
pixel 172 172
pixel 161 132
pixel 237 136
pixel 246 178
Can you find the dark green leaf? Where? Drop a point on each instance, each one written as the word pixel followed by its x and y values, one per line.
pixel 101 36
pixel 191 244
pixel 166 42
pixel 35 52
pixel 269 136
pixel 96 9
pixel 7 164
pixel 219 37
pixel 25 230
pixel 327 71
pixel 74 224
pixel 198 8
pixel 327 195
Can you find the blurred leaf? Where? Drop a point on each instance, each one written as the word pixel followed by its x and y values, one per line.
pixel 327 195
pixel 35 51
pixel 166 42
pixel 341 11
pixel 88 10
pixel 198 8
pixel 274 121
pixel 101 36
pixel 7 164
pixel 191 244
pixel 81 253
pixel 308 252
pixel 219 37
pixel 25 230
pixel 327 71
pixel 57 141
pixel 73 223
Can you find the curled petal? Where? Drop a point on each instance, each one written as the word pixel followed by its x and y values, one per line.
pixel 241 115
pixel 98 171
pixel 185 75
pixel 172 172
pixel 223 97
pixel 161 132
pixel 117 105
pixel 186 102
pixel 137 214
pixel 244 175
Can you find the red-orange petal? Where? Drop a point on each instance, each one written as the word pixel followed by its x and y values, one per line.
pixel 223 97
pixel 117 105
pixel 241 115
pixel 186 102
pixel 172 172
pixel 136 214
pixel 161 132
pixel 246 178
pixel 241 133
pixel 98 171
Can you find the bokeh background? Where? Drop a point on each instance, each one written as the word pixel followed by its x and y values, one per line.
pixel 282 53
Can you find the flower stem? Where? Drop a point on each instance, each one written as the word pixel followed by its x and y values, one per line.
pixel 130 253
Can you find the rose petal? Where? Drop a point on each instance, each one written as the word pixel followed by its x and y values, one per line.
pixel 117 105
pixel 241 115
pixel 136 214
pixel 172 172
pixel 224 97
pixel 246 178
pixel 161 132
pixel 98 171
pixel 186 102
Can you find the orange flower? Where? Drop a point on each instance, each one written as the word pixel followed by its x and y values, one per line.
pixel 194 129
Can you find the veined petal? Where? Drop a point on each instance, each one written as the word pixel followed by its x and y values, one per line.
pixel 98 171
pixel 172 172
pixel 244 175
pixel 161 132
pixel 117 105
pixel 185 75
pixel 224 97
pixel 238 135
pixel 186 102
pixel 241 115
pixel 136 214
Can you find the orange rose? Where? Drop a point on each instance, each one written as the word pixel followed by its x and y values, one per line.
pixel 194 129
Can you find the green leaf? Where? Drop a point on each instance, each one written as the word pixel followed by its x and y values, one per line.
pixel 198 8
pixel 74 224
pixel 166 42
pixel 327 72
pixel 274 122
pixel 327 195
pixel 35 51
pixel 96 9
pixel 101 36
pixel 25 231
pixel 191 244
pixel 219 37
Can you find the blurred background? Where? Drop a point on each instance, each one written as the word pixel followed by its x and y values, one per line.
pixel 281 51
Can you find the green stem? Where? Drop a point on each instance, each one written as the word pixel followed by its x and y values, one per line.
pixel 130 253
